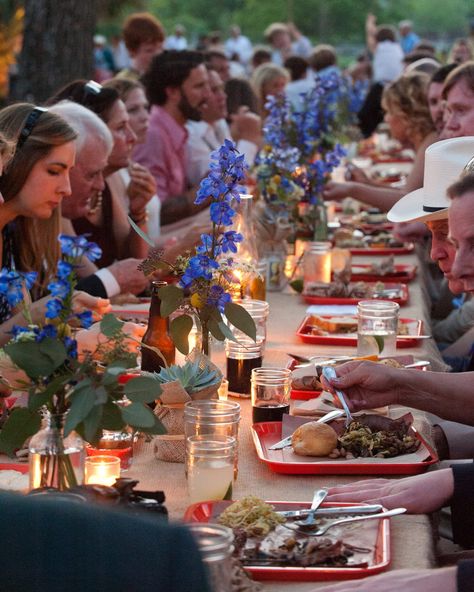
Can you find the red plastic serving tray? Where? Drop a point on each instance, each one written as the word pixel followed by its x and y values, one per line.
pixel 350 339
pixel 403 273
pixel 408 248
pixel 266 434
pixel 402 298
pixel 20 467
pixel 209 511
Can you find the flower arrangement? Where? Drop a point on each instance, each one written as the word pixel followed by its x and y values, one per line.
pixel 46 355
pixel 205 278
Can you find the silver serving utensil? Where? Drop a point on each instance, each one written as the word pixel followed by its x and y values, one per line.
pixel 419 364
pixel 324 419
pixel 318 498
pixel 339 511
pixel 323 529
pixel 328 373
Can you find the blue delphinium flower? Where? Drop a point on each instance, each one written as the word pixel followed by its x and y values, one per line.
pixel 85 318
pixel 13 283
pixel 77 246
pixel 64 270
pixel 221 213
pixel 229 241
pixel 59 288
pixel 53 308
pixel 47 331
pixel 218 297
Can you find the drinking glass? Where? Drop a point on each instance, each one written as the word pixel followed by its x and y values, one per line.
pixel 317 263
pixel 270 393
pixel 377 327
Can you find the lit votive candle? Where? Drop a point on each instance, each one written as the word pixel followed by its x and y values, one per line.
pixel 223 390
pixel 102 470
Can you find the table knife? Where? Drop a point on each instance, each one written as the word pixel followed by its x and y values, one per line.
pixel 367 509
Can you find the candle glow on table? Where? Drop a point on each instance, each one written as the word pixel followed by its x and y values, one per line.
pixel 223 390
pixel 102 470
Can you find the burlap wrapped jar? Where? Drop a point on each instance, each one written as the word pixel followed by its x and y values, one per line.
pixel 170 447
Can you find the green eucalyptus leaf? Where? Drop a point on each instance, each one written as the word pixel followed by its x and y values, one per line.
pixel 140 232
pixel 241 319
pixel 138 415
pixel 156 429
pixel 171 298
pixel 92 424
pixel 227 332
pixel 110 325
pixel 215 330
pixel 101 396
pixel 37 359
pixel 82 401
pixel 21 424
pixel 180 328
pixel 142 389
pixel 112 417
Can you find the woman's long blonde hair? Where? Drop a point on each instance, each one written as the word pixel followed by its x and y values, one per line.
pixel 38 250
pixel 409 95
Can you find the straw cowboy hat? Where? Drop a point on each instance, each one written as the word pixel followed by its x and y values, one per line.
pixel 445 162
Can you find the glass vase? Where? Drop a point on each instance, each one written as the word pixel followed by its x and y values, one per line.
pixel 320 221
pixel 56 461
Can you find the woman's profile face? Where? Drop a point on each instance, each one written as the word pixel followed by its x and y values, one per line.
pixel 47 184
pixel 275 87
pixel 137 109
pixel 397 121
pixel 124 138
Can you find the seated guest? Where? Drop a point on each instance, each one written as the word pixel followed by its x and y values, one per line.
pixel 435 99
pixel 323 61
pixel 461 51
pixel 144 36
pixel 209 134
pixel 33 187
pixel 407 113
pixel 109 213
pixel 268 79
pixel 174 240
pixel 239 94
pixel 94 146
pixel 260 55
pixel 301 81
pixel 177 87
pixel 458 95
pixel 279 36
pixel 218 61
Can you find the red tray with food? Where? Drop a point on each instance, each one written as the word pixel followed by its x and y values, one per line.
pixel 342 330
pixel 284 461
pixel 371 538
pixel 373 290
pixel 372 272
pixel 405 250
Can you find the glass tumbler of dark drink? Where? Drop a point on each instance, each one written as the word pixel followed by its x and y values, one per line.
pixel 270 393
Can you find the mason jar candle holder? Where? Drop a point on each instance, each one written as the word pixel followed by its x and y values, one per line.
pixel 317 263
pixel 377 327
pixel 102 470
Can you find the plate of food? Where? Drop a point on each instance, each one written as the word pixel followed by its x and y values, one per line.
pixel 385 270
pixel 339 292
pixel 380 243
pixel 131 308
pixel 269 549
pixel 371 445
pixel 342 330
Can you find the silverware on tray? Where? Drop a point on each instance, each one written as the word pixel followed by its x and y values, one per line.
pixel 334 511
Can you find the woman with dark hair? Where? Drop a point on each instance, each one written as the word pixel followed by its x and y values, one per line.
pixel 33 185
pixel 109 211
pixel 240 94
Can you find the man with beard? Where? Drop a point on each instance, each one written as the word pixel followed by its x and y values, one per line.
pixel 177 87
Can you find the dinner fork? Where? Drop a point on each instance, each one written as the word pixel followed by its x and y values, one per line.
pixel 329 373
pixel 323 529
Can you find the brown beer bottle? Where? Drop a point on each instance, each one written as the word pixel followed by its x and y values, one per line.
pixel 157 335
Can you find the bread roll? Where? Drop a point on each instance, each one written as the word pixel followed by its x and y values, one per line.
pixel 314 439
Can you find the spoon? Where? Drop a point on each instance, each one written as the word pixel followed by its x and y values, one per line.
pixel 318 498
pixel 323 529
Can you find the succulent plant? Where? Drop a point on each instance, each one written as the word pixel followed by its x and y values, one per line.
pixel 192 377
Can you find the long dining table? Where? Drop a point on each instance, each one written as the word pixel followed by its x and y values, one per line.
pixel 412 536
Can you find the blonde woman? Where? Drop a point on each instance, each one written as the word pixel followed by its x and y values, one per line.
pixel 268 79
pixel 407 113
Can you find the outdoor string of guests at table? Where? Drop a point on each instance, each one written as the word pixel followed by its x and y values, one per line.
pixel 139 144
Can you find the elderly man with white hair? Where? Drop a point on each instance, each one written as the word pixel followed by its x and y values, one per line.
pixel 94 145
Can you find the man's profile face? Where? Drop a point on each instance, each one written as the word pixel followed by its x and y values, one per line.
pixel 443 252
pixel 461 223
pixel 195 92
pixel 216 105
pixel 459 112
pixel 86 178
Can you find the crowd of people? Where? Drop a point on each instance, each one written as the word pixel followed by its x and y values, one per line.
pixel 136 143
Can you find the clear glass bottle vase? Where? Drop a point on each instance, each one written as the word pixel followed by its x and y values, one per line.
pixel 56 461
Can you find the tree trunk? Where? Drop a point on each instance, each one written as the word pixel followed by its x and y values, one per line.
pixel 57 46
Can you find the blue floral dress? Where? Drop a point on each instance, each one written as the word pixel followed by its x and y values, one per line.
pixel 8 261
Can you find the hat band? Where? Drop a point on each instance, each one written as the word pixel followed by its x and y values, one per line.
pixel 433 209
